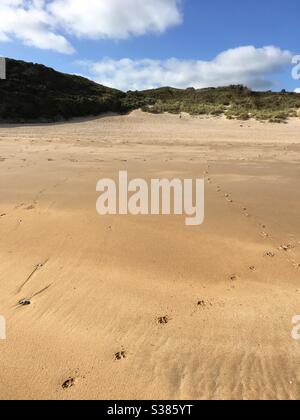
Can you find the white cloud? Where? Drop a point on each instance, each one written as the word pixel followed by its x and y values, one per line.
pixel 48 24
pixel 115 19
pixel 297 90
pixel 29 21
pixel 247 65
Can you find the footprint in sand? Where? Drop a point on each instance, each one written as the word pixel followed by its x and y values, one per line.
pixel 264 235
pixel 270 254
pixel 245 212
pixel 203 304
pixel 252 268
pixel 3 214
pixel 286 248
pixel 69 383
pixel 233 277
pixel 120 355
pixel 296 265
pixel 228 198
pixel 163 320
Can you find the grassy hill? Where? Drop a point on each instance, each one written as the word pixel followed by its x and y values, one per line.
pixel 33 92
pixel 234 101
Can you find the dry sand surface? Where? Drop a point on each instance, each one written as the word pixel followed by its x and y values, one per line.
pixel 98 285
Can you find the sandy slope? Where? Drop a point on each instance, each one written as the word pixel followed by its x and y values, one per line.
pixel 104 281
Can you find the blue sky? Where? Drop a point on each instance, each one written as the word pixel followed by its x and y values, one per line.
pixel 133 43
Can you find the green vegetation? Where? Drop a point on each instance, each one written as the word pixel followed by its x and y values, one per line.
pixel 236 102
pixel 34 92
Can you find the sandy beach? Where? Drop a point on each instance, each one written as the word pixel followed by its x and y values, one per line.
pixel 98 286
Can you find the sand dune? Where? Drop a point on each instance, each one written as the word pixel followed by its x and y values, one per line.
pixel 124 307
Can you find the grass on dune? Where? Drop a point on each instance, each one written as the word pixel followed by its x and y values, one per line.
pixel 235 102
pixel 33 92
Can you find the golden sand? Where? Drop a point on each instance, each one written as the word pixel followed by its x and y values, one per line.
pixel 125 307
